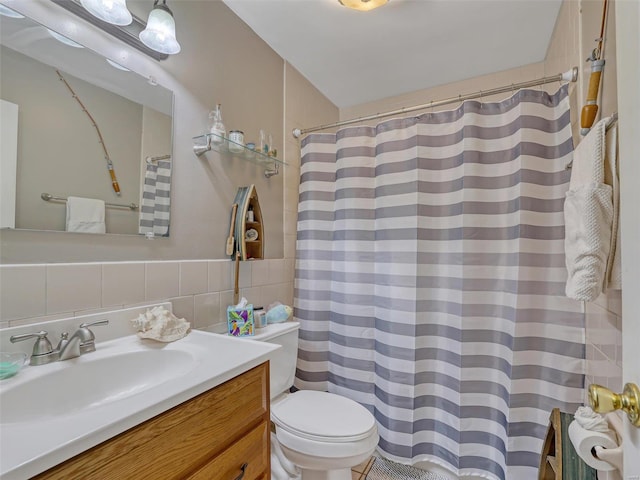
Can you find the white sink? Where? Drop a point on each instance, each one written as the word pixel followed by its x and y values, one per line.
pixel 91 383
pixel 52 412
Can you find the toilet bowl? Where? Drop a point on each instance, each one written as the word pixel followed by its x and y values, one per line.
pixel 323 434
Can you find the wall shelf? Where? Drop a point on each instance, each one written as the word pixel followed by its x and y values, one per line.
pixel 211 141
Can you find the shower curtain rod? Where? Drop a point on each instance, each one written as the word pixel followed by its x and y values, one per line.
pixel 568 76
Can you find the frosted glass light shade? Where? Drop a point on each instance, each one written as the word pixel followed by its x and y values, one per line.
pixel 363 5
pixel 160 34
pixel 111 11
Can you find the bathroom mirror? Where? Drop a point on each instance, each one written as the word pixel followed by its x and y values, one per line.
pixel 61 104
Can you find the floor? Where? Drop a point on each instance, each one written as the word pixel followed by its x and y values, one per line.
pixel 359 472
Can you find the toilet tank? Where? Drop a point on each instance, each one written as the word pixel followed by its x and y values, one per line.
pixel 282 366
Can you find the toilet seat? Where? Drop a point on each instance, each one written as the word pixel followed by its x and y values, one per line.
pixel 323 417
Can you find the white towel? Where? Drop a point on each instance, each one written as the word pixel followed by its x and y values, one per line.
pixel 85 215
pixel 588 214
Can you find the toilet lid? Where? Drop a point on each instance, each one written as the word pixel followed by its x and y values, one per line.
pixel 323 416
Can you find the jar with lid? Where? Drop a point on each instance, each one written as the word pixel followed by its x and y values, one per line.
pixel 236 141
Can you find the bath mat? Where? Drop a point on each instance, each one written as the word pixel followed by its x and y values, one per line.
pixel 383 469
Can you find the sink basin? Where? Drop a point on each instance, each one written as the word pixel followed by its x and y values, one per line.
pixel 91 383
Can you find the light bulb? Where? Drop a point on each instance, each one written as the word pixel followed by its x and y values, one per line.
pixel 362 5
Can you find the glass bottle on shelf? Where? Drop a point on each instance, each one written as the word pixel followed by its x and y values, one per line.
pixel 216 126
pixel 263 145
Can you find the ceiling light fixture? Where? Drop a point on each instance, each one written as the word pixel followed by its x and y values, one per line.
pixel 160 34
pixel 110 11
pixel 362 5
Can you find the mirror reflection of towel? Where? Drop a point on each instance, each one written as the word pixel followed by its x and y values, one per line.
pixel 85 215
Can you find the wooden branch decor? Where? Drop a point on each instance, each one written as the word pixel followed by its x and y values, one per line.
pixel 590 109
pixel 112 172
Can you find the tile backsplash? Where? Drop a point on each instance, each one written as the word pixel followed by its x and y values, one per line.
pixel 199 290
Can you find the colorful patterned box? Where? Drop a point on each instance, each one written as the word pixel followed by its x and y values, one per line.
pixel 240 321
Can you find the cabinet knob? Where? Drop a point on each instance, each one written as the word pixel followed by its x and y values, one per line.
pixel 242 468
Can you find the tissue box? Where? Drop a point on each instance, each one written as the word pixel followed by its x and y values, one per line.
pixel 240 321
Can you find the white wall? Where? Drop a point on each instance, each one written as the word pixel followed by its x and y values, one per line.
pixel 223 61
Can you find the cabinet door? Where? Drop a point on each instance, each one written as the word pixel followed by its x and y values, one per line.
pixel 247 459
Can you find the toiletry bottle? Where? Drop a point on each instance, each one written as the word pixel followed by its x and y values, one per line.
pixel 264 147
pixel 270 149
pixel 250 214
pixel 216 126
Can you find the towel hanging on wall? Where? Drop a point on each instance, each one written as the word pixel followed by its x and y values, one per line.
pixel 85 215
pixel 590 216
pixel 156 199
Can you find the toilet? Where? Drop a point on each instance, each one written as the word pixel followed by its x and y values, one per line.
pixel 324 435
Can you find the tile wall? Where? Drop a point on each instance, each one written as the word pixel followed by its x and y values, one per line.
pixel 200 290
pixel 571 42
pixel 604 341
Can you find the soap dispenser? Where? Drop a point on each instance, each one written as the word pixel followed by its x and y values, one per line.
pixel 216 126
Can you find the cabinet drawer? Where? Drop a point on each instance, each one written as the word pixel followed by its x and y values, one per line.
pixel 251 450
pixel 176 442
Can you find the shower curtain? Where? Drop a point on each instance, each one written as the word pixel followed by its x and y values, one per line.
pixel 430 280
pixel 156 199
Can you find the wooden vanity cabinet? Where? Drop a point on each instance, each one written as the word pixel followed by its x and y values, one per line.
pixel 208 437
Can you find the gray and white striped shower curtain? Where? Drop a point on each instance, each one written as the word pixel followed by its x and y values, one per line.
pixel 430 280
pixel 156 199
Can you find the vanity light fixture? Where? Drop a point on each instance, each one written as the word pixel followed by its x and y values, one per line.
pixel 129 34
pixel 110 11
pixel 160 34
pixel 362 5
pixel 7 12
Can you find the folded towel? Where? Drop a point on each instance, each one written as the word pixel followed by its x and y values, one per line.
pixel 588 214
pixel 85 215
pixel 590 420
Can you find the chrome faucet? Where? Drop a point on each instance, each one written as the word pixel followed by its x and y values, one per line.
pixel 82 341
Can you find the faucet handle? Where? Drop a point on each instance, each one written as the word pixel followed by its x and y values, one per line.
pixel 94 324
pixel 88 343
pixel 41 347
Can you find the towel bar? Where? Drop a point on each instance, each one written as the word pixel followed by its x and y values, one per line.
pixel 47 197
